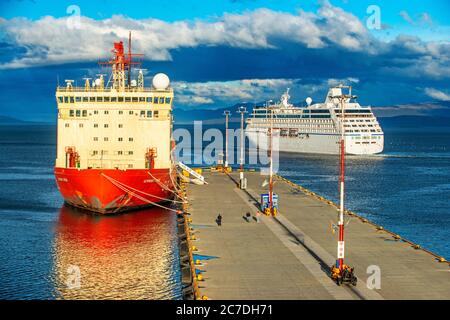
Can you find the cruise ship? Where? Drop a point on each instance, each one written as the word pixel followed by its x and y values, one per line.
pixel 316 128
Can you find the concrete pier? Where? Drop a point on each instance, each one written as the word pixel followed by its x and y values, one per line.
pixel 288 257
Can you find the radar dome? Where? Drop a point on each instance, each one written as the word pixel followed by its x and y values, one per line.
pixel 308 101
pixel 97 82
pixel 160 81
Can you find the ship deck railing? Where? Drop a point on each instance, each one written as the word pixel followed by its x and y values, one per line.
pixel 110 90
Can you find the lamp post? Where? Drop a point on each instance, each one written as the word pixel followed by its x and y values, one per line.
pixel 271 207
pixel 342 98
pixel 227 114
pixel 242 110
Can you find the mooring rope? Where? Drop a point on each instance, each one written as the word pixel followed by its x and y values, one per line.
pixel 147 194
pixel 138 196
pixel 162 185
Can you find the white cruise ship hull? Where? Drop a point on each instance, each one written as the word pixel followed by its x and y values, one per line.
pixel 318 143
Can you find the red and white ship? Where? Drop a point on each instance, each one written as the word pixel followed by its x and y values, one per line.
pixel 114 141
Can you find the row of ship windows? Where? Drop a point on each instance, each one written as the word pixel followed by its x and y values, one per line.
pixel 358 120
pixel 155 100
pixel 265 111
pixel 314 121
pixel 294 116
pixel 365 137
pixel 120 139
pixel 364 130
pixel 116 153
pixel 143 113
pixel 358 125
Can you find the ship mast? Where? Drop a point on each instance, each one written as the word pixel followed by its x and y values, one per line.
pixel 121 63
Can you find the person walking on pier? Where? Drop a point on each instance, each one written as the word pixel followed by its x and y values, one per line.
pixel 258 214
pixel 219 220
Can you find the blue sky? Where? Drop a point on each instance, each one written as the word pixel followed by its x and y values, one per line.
pixel 218 53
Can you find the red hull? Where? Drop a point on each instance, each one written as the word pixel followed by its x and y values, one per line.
pixel 102 190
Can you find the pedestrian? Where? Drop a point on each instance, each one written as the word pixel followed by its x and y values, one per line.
pixel 257 216
pixel 247 216
pixel 219 220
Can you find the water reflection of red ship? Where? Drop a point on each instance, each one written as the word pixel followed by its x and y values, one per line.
pixel 128 256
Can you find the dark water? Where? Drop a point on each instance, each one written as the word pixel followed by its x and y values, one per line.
pixel 406 189
pixel 128 256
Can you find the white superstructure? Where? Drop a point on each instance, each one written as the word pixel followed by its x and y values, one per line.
pixel 316 128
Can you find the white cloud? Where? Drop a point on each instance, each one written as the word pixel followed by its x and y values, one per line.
pixel 52 40
pixel 223 93
pixel 437 94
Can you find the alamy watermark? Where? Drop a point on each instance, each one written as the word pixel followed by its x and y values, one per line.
pixel 207 147
pixel 73 277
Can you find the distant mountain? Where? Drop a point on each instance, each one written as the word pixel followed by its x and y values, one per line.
pixel 4 120
pixel 209 116
pixel 414 122
pixel 10 121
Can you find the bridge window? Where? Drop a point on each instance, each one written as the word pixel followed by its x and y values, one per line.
pixel 120 112
pixel 84 113
pixel 130 112
pixel 142 113
pixel 77 99
pixel 155 100
pixel 168 100
pixel 130 152
pixel 72 113
pixel 135 99
pixel 106 99
pixel 120 99
pixel 91 99
pixel 149 113
pixel 99 99
pixel 60 99
pixel 85 99
pixel 142 99
pixel 130 139
pixel 156 114
pixel 106 112
pixel 161 100
pixel 127 99
pixel 95 125
pixel 66 125
pixel 149 99
pixel 105 139
pixel 120 125
pixel 95 138
pixel 78 113
pixel 113 99
pixel 120 139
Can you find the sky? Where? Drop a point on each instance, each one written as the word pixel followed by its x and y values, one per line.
pixel 395 54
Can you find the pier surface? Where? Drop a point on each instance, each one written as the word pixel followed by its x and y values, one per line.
pixel 288 257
